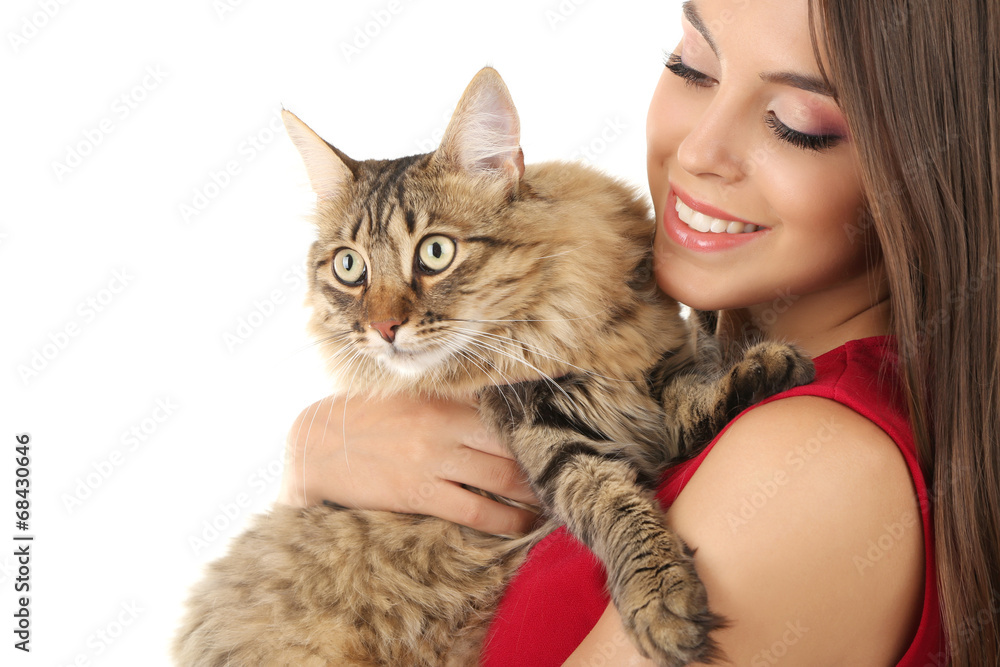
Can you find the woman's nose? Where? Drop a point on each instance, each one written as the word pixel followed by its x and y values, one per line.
pixel 718 141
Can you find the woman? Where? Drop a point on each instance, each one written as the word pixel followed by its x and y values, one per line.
pixel 851 150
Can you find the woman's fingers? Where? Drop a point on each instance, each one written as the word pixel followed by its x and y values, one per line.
pixel 472 454
pixel 474 434
pixel 496 474
pixel 458 505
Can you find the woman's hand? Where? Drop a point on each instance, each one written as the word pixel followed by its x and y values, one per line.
pixel 404 455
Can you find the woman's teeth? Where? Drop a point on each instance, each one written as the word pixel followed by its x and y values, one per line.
pixel 704 223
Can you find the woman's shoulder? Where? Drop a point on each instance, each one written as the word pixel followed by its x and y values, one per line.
pixel 808 535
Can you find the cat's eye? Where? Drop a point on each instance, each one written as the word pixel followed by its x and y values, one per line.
pixel 349 267
pixel 435 253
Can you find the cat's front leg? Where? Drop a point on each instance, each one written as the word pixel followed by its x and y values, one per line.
pixel 592 484
pixel 650 570
pixel 697 407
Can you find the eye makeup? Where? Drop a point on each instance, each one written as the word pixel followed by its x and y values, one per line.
pixel 807 141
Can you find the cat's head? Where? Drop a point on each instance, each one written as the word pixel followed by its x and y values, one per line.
pixel 448 271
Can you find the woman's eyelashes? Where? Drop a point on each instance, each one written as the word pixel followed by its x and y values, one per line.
pixel 812 142
pixel 690 76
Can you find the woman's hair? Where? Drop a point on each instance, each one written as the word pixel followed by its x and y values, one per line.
pixel 919 82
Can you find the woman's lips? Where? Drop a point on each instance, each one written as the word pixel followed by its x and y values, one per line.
pixel 721 230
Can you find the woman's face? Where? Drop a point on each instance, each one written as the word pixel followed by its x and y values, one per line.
pixel 754 179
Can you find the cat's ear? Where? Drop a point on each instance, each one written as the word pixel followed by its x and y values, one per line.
pixel 484 134
pixel 328 168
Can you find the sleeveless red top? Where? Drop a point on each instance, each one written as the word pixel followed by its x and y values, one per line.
pixel 559 593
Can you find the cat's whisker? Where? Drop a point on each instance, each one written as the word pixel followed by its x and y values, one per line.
pixel 510 409
pixel 344 364
pixel 350 354
pixel 566 252
pixel 529 347
pixel 470 336
pixel 505 378
pixel 479 338
pixel 541 353
pixel 343 345
pixel 338 353
pixel 336 336
pixel 305 446
pixel 541 374
pixel 474 358
pixel 298 431
pixel 471 355
pixel 557 319
pixel 343 421
pixel 337 369
pixel 459 352
pixel 329 415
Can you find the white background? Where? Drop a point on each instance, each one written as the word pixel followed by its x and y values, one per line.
pixel 115 298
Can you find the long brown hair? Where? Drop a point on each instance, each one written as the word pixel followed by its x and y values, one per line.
pixel 919 81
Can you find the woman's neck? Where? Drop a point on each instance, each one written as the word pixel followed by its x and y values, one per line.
pixel 817 322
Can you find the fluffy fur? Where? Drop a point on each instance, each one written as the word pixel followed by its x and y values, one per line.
pixel 464 271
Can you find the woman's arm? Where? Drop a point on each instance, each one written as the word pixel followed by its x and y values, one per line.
pixel 607 644
pixel 808 540
pixel 404 455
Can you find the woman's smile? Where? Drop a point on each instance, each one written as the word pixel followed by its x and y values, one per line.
pixel 698 226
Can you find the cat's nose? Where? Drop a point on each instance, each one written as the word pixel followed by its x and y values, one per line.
pixel 387 328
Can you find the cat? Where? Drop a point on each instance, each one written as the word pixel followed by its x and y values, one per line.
pixel 464 271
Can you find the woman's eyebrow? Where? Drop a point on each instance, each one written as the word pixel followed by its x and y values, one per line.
pixel 808 83
pixel 694 18
pixel 811 84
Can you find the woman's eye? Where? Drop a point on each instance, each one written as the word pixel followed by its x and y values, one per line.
pixel 435 253
pixel 349 268
pixel 813 142
pixel 691 77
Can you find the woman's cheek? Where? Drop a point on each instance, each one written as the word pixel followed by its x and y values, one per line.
pixel 820 198
pixel 671 105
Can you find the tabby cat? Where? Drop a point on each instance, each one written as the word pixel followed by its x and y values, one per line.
pixel 464 271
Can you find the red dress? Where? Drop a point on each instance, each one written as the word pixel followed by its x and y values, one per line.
pixel 558 594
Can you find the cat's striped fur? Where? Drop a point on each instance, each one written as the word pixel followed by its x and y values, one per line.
pixel 547 308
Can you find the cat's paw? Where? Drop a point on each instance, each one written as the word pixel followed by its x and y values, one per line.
pixel 664 607
pixel 767 369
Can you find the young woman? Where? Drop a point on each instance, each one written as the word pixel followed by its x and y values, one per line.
pixel 826 174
